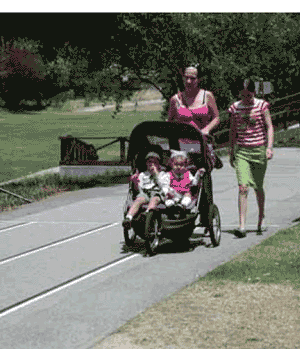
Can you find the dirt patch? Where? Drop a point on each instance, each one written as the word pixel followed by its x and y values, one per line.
pixel 217 315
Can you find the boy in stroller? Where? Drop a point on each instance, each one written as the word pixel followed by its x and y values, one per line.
pixel 180 181
pixel 150 185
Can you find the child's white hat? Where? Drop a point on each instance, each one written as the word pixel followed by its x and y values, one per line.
pixel 152 154
pixel 175 153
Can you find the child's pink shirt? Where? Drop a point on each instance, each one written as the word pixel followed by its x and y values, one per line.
pixel 183 185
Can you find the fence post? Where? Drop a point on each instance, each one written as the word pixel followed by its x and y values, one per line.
pixel 122 150
pixel 65 147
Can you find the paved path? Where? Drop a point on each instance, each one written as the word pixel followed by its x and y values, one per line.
pixel 125 104
pixel 68 281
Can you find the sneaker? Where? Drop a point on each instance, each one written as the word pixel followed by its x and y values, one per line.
pixel 260 230
pixel 126 223
pixel 169 203
pixel 241 233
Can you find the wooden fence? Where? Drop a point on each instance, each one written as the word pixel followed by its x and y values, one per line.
pixel 74 151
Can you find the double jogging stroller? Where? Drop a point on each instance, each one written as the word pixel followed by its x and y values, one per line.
pixel 172 223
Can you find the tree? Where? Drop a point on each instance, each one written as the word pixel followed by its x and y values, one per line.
pixel 28 76
pixel 154 47
pixel 22 72
pixel 144 47
pixel 68 71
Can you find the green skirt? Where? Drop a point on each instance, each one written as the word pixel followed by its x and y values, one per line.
pixel 251 165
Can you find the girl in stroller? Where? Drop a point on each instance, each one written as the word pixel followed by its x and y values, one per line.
pixel 180 181
pixel 150 184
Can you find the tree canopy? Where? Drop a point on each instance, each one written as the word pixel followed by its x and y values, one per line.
pixel 153 48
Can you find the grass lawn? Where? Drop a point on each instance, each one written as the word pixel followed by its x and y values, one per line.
pixel 30 143
pixel 41 187
pixel 250 302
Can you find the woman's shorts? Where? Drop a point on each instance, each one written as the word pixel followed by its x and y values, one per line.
pixel 251 165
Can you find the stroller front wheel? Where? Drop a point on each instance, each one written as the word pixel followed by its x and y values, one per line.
pixel 129 236
pixel 152 229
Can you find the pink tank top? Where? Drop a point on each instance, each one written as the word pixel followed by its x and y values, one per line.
pixel 197 117
pixel 181 186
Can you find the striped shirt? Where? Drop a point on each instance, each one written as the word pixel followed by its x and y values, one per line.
pixel 250 122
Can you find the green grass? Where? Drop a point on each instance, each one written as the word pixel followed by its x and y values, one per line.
pixel 250 302
pixel 29 142
pixel 274 260
pixel 41 187
pixel 287 138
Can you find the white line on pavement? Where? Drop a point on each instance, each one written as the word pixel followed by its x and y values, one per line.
pixel 25 254
pixel 15 226
pixel 60 288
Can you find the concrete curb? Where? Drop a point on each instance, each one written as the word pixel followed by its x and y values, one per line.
pixel 73 171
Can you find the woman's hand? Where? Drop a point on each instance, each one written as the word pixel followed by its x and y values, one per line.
pixel 269 153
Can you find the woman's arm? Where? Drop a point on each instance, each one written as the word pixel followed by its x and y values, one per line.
pixel 172 110
pixel 211 103
pixel 270 133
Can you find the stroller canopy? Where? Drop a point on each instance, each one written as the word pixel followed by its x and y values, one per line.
pixel 162 136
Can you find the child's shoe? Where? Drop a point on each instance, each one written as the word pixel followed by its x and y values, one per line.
pixel 126 223
pixel 169 203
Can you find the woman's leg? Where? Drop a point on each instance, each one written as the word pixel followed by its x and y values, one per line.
pixel 260 197
pixel 243 196
pixel 258 173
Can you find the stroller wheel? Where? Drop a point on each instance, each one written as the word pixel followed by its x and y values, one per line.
pixel 154 244
pixel 129 236
pixel 214 227
pixel 152 228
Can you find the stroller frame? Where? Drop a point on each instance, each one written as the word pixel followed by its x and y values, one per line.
pixel 171 223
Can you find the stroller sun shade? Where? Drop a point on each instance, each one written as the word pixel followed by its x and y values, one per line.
pixel 185 144
pixel 161 137
pixel 190 146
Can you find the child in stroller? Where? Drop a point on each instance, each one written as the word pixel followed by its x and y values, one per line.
pixel 180 181
pixel 151 185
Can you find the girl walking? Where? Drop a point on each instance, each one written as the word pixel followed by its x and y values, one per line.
pixel 251 145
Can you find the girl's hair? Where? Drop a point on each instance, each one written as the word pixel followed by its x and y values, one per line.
pixel 171 160
pixel 249 84
pixel 243 83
